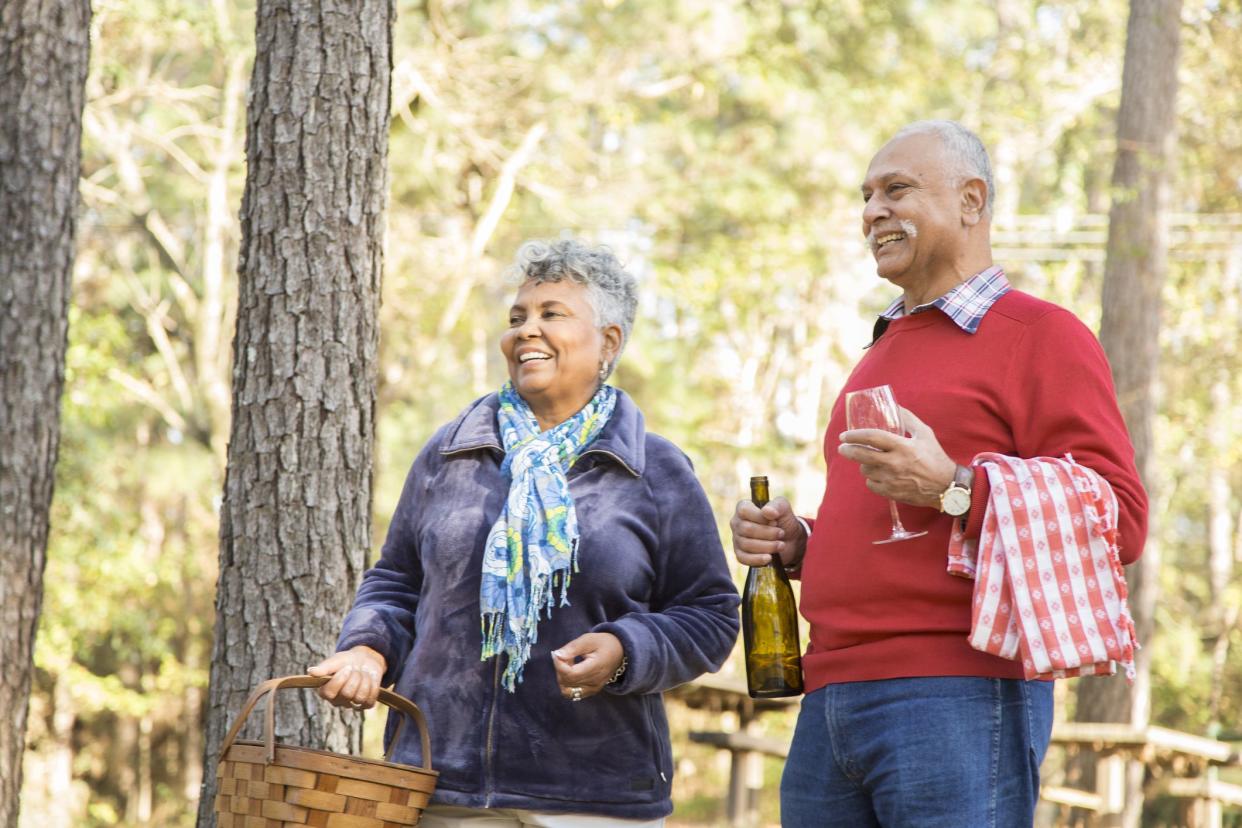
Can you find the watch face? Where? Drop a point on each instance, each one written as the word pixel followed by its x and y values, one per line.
pixel 956 501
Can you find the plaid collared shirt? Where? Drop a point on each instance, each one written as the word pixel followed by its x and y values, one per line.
pixel 966 304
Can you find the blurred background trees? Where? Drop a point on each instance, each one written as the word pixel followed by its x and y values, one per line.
pixel 44 52
pixel 717 146
pixel 1135 272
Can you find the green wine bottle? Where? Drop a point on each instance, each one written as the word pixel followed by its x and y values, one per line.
pixel 770 624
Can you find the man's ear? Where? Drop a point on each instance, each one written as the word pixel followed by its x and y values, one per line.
pixel 974 201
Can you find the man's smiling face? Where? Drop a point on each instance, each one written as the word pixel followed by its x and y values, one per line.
pixel 912 210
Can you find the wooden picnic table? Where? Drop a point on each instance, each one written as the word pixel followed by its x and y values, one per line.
pixel 720 694
pixel 1188 765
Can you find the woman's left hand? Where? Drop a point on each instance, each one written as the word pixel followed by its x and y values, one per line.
pixel 600 655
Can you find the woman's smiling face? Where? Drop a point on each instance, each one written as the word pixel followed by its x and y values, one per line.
pixel 554 348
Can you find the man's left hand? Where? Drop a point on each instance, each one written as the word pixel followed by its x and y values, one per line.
pixel 913 469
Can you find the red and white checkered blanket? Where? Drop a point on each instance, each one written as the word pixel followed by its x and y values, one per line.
pixel 1049 586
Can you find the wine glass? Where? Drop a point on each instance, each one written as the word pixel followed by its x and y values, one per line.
pixel 877 408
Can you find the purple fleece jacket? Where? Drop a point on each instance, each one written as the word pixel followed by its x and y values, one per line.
pixel 652 572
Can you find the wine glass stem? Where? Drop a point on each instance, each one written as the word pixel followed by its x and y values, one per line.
pixel 897 527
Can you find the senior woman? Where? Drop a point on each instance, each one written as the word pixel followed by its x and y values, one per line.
pixel 551 568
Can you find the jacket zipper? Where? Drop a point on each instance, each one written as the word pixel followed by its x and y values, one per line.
pixel 491 722
pixel 652 734
pixel 489 763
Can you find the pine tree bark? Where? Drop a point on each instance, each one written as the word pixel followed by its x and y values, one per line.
pixel 295 522
pixel 1134 276
pixel 44 52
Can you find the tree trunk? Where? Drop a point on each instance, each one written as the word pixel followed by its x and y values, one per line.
pixel 44 51
pixel 295 523
pixel 1134 275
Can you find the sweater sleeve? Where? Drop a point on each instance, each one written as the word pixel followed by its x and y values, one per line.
pixel 1062 402
pixel 382 615
pixel 693 620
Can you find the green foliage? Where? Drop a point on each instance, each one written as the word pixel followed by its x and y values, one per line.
pixel 718 147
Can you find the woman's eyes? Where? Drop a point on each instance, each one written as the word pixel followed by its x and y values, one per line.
pixel 548 314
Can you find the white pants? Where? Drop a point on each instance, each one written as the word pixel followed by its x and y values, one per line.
pixel 449 816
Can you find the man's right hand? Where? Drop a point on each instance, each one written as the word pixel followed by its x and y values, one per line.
pixel 758 534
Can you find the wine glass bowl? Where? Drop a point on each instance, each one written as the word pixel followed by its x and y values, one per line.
pixel 877 408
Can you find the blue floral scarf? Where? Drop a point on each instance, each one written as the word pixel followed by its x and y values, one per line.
pixel 533 546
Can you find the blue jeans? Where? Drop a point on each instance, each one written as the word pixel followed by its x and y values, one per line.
pixel 939 752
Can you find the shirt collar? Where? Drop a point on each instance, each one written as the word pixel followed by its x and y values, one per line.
pixel 965 304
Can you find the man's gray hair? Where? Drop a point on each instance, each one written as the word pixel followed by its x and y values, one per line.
pixel 611 289
pixel 969 155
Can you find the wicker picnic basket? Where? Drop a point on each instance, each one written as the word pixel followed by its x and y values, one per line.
pixel 268 785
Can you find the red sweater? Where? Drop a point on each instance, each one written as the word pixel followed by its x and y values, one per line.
pixel 1031 382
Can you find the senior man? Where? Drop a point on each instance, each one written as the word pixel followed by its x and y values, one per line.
pixel 905 723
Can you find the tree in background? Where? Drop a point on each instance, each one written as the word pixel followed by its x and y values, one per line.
pixel 717 145
pixel 295 523
pixel 1134 278
pixel 44 52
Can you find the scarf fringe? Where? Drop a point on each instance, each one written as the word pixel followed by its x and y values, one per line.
pixel 498 638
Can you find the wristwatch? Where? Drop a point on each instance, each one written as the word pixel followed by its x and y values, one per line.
pixel 955 500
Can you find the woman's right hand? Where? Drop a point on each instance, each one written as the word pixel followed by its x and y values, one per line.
pixel 355 678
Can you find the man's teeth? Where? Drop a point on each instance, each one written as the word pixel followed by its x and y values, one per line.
pixel 885 239
pixel 528 357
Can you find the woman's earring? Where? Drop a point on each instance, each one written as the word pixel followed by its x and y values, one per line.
pixel 603 369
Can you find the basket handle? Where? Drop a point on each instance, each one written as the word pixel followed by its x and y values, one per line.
pixel 393 700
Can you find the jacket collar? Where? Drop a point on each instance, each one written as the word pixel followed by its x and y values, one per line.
pixel 623 438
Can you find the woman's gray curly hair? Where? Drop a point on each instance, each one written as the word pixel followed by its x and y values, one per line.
pixel 611 289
